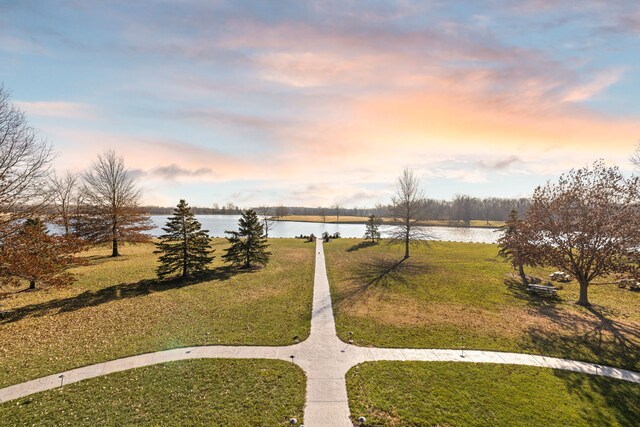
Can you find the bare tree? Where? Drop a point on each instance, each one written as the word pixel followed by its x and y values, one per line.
pixel 323 214
pixel 266 216
pixel 635 156
pixel 409 210
pixel 25 161
pixel 65 196
pixel 111 212
pixel 588 224
pixel 337 207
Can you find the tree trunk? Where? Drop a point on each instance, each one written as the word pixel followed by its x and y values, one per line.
pixel 522 275
pixel 584 298
pixel 114 248
pixel 32 284
pixel 406 248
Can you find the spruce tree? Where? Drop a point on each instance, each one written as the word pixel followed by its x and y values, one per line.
pixel 373 229
pixel 248 244
pixel 185 247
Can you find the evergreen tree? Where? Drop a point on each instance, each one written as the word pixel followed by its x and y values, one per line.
pixel 373 229
pixel 249 244
pixel 32 254
pixel 185 247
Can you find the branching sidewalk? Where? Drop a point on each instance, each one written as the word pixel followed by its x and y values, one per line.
pixel 323 356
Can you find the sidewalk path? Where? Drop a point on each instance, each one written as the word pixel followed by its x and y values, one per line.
pixel 324 358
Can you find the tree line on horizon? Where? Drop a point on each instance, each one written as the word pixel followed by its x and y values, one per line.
pixel 98 206
pixel 460 210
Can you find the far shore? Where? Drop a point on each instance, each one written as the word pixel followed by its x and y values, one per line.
pixel 331 219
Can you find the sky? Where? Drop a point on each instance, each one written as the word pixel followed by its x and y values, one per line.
pixel 311 103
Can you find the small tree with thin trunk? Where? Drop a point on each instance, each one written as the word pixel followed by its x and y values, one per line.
pixel 409 210
pixel 34 255
pixel 515 244
pixel 185 247
pixel 111 213
pixel 587 224
pixel 248 244
pixel 372 232
pixel 65 193
pixel 266 215
pixel 337 208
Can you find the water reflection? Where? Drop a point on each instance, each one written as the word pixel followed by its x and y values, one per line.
pixel 217 224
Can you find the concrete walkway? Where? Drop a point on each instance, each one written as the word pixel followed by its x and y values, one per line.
pixel 324 358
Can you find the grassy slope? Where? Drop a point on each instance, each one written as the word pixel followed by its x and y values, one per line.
pixel 114 310
pixel 464 394
pixel 347 219
pixel 449 290
pixel 195 392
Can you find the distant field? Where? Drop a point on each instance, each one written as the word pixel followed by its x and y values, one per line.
pixel 193 392
pixel 363 220
pixel 117 309
pixel 465 394
pixel 449 290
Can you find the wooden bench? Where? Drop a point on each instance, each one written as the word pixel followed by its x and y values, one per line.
pixel 542 289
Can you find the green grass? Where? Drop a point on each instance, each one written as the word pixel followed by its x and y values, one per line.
pixel 466 394
pixel 117 309
pixel 449 290
pixel 194 392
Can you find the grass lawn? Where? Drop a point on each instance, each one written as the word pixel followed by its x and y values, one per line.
pixel 348 219
pixel 466 394
pixel 194 392
pixel 449 290
pixel 117 309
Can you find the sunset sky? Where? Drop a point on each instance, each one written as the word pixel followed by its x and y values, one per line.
pixel 316 102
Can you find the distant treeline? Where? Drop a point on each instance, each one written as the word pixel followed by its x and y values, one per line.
pixel 461 208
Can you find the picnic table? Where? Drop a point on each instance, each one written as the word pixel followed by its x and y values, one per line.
pixel 542 289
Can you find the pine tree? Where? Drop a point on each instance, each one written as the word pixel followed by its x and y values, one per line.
pixel 185 247
pixel 32 254
pixel 373 229
pixel 249 244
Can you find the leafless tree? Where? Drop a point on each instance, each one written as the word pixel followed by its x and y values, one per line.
pixel 588 224
pixel 111 212
pixel 323 214
pixel 25 161
pixel 409 210
pixel 337 207
pixel 66 199
pixel 635 156
pixel 266 216
pixel 282 211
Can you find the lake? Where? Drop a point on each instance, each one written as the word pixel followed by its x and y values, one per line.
pixel 217 224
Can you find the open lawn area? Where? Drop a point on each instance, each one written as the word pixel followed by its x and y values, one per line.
pixel 194 392
pixel 117 308
pixel 449 290
pixel 466 394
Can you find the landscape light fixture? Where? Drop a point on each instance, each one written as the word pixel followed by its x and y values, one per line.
pixel 206 338
pixel 296 339
pixel 293 421
pixel 291 357
pixel 461 346
pixel 61 379
pixel 350 337
pixel 362 420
